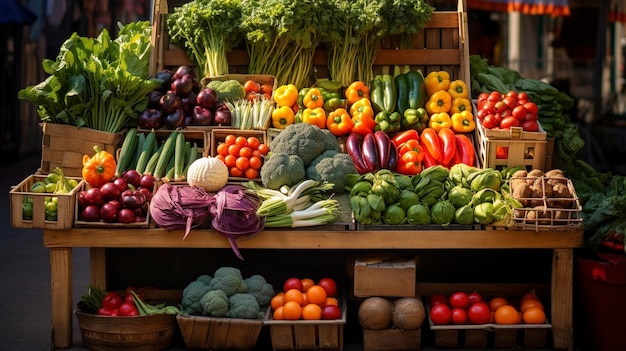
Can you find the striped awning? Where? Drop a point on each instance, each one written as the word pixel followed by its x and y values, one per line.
pixel 554 8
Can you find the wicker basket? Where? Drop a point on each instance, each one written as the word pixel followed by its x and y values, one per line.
pixel 211 333
pixel 141 333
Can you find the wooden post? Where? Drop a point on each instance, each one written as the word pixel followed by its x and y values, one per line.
pixel 562 298
pixel 61 293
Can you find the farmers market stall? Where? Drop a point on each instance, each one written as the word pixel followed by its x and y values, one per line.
pixel 249 160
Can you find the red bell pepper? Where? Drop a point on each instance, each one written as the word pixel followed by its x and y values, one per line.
pixel 432 143
pixel 465 149
pixel 403 137
pixel 428 160
pixel 412 145
pixel 448 145
pixel 410 163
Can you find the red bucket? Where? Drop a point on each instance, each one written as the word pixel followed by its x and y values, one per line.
pixel 600 303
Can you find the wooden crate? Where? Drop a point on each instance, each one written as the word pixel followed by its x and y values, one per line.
pixel 385 276
pixel 526 149
pixel 65 205
pixel 65 145
pixel 210 333
pixel 308 334
pixel 442 45
pixel 391 340
pixel 106 333
pixel 201 136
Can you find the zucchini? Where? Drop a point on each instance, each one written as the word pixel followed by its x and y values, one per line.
pixel 148 148
pixel 192 155
pixel 179 157
pixel 127 152
pixel 152 163
pixel 140 141
pixel 168 151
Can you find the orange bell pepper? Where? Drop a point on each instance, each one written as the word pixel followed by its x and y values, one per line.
pixel 99 168
pixel 356 91
pixel 315 116
pixel 313 98
pixel 339 122
pixel 362 114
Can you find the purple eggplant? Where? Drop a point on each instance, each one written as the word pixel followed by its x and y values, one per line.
pixel 353 147
pixel 393 157
pixel 169 103
pixel 182 86
pixel 151 118
pixel 369 149
pixel 202 116
pixel 383 144
pixel 175 119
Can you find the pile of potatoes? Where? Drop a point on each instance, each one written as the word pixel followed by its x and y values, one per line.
pixel 546 197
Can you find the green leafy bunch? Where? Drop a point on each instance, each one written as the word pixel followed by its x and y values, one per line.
pixel 208 30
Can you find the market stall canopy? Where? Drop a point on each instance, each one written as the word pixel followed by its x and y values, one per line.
pixel 554 8
pixel 16 13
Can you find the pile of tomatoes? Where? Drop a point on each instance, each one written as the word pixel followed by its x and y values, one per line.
pixel 513 109
pixel 305 299
pixel 471 308
pixel 242 155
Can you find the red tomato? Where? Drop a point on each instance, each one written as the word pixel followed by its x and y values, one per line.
pixel 479 313
pixel 501 106
pixel 474 297
pixel 481 113
pixel 331 312
pixel 489 106
pixel 482 97
pixel 329 285
pixel 509 122
pixel 490 121
pixel 513 94
pixel 520 112
pixel 523 96
pixel 530 126
pixel 437 299
pixel 494 96
pixel 510 101
pixel 440 314
pixel 532 107
pixel 459 299
pixel 458 316
pixel 293 283
pixel 502 152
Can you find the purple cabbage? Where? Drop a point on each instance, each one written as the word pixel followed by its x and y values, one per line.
pixel 180 206
pixel 233 212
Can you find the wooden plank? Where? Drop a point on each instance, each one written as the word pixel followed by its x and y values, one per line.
pixel 97 257
pixel 562 298
pixel 61 293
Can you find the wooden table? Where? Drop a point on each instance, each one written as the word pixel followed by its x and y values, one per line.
pixel 61 242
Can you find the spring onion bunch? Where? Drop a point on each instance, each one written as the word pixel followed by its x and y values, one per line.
pixel 281 37
pixel 208 29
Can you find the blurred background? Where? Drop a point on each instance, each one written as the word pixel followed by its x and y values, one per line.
pixel 576 45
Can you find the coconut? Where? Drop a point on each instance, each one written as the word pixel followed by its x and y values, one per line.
pixel 375 313
pixel 408 313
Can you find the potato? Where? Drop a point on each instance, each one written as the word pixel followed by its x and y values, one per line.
pixel 520 189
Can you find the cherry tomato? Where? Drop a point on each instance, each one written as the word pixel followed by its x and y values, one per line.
pixel 458 316
pixel 509 122
pixel 440 314
pixel 437 299
pixel 479 313
pixel 474 297
pixel 459 299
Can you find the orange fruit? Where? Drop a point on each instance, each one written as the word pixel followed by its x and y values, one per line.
pixel 278 313
pixel 251 173
pixel 242 163
pixel 241 141
pixel 230 139
pixel 222 149
pixel 316 294
pixel 331 301
pixel 530 302
pixel 306 283
pixel 245 152
pixel 496 302
pixel 234 149
pixel 312 312
pixel 534 315
pixel 235 172
pixel 530 295
pixel 294 295
pixel 264 148
pixel 253 142
pixel 278 300
pixel 256 162
pixel 305 299
pixel 230 160
pixel 507 314
pixel 292 310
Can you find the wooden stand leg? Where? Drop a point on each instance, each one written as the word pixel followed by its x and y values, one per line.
pixel 562 298
pixel 61 285
pixel 97 257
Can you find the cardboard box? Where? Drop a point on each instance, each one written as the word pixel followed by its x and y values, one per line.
pixel 385 276
pixel 391 339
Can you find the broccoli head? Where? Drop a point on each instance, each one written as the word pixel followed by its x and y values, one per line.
pixel 228 279
pixel 330 141
pixel 332 167
pixel 227 90
pixel 192 294
pixel 301 139
pixel 215 303
pixel 244 305
pixel 260 289
pixel 282 169
pixel 205 278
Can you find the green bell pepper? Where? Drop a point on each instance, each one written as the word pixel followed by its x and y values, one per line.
pixel 417 89
pixel 388 122
pixel 415 118
pixel 334 103
pixel 383 93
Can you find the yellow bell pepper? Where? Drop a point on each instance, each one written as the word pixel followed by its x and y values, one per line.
pixel 286 95
pixel 463 122
pixel 440 120
pixel 282 117
pixel 437 80
pixel 460 104
pixel 313 99
pixel 458 89
pixel 356 91
pixel 315 116
pixel 439 101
